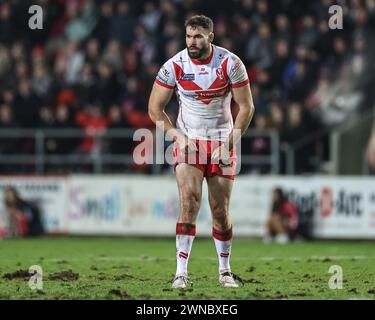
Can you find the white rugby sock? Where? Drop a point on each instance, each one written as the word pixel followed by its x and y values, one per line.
pixel 223 244
pixel 185 234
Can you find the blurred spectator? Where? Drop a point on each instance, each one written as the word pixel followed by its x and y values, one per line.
pixel 135 106
pixel 8 96
pixel 82 20
pixel 280 61
pixel 343 99
pixel 102 28
pixel 261 13
pixel 69 62
pixel 299 75
pixel 309 34
pixel 123 24
pixel 25 219
pixel 46 117
pixel 131 61
pixel 6 23
pixel 144 44
pixel 26 105
pixel 5 64
pixel 277 116
pixel 18 51
pixel 116 120
pixel 106 88
pixel 259 48
pixel 41 81
pixel 283 32
pixel 92 52
pixel 6 117
pixel 94 123
pixel 65 119
pixel 151 16
pixel 296 129
pixel 258 145
pixel 283 220
pixel 112 55
pixel 7 145
pixel 241 37
pixel 86 82
pixel 295 125
pixel 323 45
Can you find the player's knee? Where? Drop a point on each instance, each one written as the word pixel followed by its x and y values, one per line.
pixel 221 218
pixel 219 211
pixel 221 223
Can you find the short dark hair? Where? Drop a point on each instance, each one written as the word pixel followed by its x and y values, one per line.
pixel 200 21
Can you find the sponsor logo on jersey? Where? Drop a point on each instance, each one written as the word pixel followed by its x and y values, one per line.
pixel 236 66
pixel 203 71
pixel 188 76
pixel 206 95
pixel 165 72
pixel 211 93
pixel 163 75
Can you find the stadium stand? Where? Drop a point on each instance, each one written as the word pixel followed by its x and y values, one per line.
pixel 92 66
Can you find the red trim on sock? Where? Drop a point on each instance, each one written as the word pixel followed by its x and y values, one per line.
pixel 222 236
pixel 183 255
pixel 187 229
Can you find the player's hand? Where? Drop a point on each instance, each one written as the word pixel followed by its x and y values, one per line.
pixel 221 155
pixel 186 145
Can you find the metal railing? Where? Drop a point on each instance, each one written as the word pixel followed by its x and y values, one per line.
pixel 39 158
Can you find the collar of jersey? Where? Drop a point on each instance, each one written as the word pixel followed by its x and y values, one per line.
pixel 206 61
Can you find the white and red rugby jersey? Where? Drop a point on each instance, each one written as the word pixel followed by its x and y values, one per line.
pixel 203 91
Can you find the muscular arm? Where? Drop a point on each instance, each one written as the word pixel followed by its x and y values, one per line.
pixel 159 98
pixel 242 96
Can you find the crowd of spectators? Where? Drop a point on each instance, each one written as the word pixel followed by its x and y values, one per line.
pixel 92 65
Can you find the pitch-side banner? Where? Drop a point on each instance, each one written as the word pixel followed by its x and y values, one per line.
pixel 134 205
pixel 339 207
pixel 148 205
pixel 122 205
pixel 48 193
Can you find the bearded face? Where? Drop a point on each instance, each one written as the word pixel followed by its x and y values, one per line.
pixel 198 41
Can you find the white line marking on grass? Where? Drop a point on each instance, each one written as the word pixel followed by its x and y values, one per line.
pixel 266 258
pixel 341 257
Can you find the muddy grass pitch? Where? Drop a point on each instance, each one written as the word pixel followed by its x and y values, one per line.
pixel 129 268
